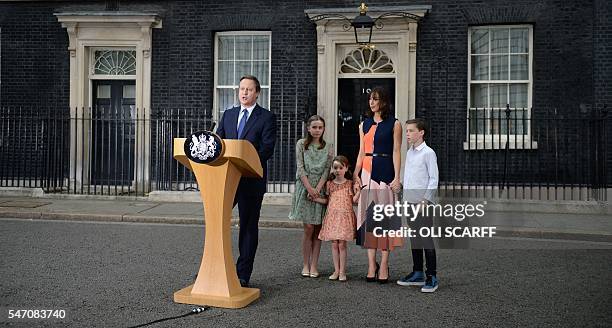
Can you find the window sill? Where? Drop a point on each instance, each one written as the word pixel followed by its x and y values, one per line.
pixel 499 144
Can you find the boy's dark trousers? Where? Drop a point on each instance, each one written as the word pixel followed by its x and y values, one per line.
pixel 420 245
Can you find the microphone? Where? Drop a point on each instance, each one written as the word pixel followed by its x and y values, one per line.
pixel 212 127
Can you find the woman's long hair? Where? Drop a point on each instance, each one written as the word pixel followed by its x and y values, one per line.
pixel 383 102
pixel 344 161
pixel 309 137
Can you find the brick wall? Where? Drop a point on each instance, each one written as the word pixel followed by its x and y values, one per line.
pixel 602 80
pixel 35 63
pixel 571 64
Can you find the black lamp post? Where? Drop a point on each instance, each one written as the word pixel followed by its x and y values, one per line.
pixel 362 25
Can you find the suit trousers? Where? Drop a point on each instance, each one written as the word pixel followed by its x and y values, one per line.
pixel 249 205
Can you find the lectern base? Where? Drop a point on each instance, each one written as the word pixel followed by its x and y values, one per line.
pixel 243 299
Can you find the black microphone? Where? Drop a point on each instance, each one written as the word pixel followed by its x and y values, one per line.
pixel 212 127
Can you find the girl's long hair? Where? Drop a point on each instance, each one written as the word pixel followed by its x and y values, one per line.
pixel 309 137
pixel 344 161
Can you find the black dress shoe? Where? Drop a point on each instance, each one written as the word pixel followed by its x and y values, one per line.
pixel 244 283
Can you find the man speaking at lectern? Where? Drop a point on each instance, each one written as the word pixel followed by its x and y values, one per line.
pixel 251 122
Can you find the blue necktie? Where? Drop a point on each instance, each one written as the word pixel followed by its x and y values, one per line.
pixel 243 120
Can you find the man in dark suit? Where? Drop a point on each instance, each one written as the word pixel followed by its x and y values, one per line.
pixel 251 122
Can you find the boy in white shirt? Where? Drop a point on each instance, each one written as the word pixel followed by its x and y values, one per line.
pixel 420 186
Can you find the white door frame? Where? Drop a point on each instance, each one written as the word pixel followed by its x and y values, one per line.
pixel 90 30
pixel 332 36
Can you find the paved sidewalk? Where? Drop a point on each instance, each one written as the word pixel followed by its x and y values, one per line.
pixel 528 224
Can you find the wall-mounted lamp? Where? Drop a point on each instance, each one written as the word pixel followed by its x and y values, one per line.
pixel 362 24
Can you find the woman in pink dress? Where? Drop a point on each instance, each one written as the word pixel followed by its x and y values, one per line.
pixel 380 137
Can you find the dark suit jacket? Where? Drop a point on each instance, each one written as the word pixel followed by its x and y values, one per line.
pixel 260 130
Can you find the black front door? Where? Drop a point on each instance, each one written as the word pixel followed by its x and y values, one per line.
pixel 113 132
pixel 352 108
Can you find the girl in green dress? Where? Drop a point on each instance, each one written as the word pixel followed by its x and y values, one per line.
pixel 313 157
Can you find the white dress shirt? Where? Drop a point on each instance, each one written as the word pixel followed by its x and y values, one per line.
pixel 420 174
pixel 249 111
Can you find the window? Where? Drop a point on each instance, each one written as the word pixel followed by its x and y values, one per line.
pixel 499 77
pixel 115 62
pixel 366 60
pixel 238 54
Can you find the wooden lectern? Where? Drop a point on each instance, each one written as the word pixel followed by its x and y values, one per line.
pixel 217 281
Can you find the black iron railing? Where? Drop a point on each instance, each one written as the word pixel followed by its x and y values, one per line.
pixel 102 151
pixel 521 153
pixel 501 153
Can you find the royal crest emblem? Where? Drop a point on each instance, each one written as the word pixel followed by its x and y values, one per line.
pixel 203 147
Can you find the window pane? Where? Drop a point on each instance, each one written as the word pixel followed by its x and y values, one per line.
pixel 515 123
pixel 499 40
pixel 104 91
pixel 519 40
pixel 499 67
pixel 129 91
pixel 243 68
pixel 477 121
pixel 519 67
pixel 479 94
pixel 243 47
pixel 494 122
pixel 480 41
pixel 264 98
pixel 260 70
pixel 499 95
pixel 226 47
pixel 261 47
pixel 227 99
pixel 518 95
pixel 226 73
pixel 518 122
pixel 115 62
pixel 480 67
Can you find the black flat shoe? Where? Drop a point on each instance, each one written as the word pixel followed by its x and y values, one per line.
pixel 375 278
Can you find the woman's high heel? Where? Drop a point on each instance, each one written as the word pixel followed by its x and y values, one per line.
pixel 375 278
pixel 386 280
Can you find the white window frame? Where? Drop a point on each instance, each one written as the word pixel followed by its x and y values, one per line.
pixel 498 141
pixel 216 111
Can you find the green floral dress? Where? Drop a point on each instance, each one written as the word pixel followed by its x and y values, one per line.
pixel 315 164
